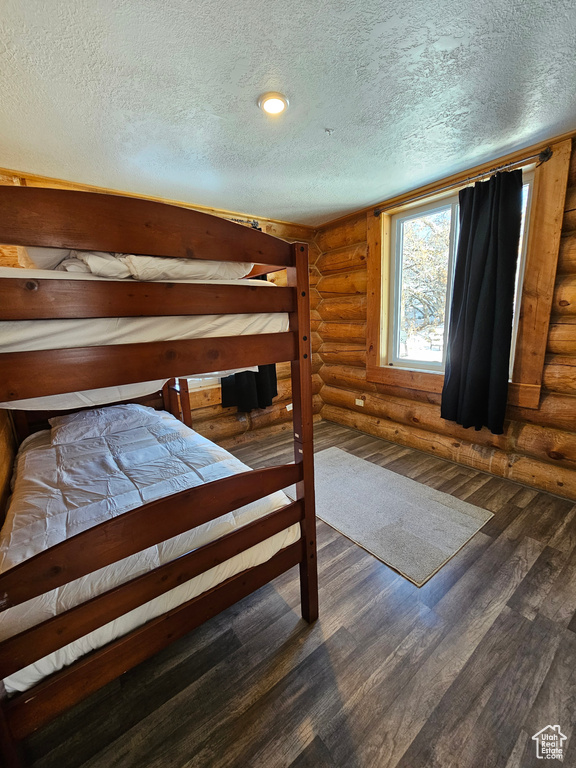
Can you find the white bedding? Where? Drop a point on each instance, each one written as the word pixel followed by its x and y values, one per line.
pixel 59 491
pixel 127 265
pixel 28 335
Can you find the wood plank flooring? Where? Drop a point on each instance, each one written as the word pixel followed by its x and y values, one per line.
pixel 459 673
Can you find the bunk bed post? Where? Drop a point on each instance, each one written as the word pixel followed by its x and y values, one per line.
pixel 301 370
pixel 10 750
pixel 171 399
pixel 185 402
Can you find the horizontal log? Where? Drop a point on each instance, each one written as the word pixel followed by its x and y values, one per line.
pixel 317 383
pixel 344 232
pixel 522 469
pixel 562 339
pixel 316 362
pixel 569 221
pixel 403 411
pixel 279 279
pixel 555 410
pixel 564 302
pixel 281 428
pixel 315 341
pixel 346 377
pixel 216 411
pixel 343 284
pixel 572 169
pixel 543 443
pixel 277 412
pixel 203 398
pixel 570 202
pixel 343 353
pixel 314 251
pixel 9 256
pixel 560 375
pixel 350 309
pixel 283 370
pixel 264 417
pixel 419 395
pixel 223 427
pixel 343 260
pixel 353 332
pixel 287 231
pixel 567 254
pixel 315 298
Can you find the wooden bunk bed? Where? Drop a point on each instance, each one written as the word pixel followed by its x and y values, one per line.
pixel 94 222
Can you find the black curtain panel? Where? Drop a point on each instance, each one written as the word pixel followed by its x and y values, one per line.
pixel 250 389
pixel 480 331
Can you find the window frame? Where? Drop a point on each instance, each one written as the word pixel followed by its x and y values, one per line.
pixel 545 213
pixel 396 219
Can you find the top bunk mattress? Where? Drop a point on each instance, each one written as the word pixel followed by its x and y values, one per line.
pixel 32 335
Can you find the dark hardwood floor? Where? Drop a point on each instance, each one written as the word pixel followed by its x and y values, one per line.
pixel 459 673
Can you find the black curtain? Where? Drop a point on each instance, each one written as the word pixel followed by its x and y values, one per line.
pixel 250 389
pixel 480 331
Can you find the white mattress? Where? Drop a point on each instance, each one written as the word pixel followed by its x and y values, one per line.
pixel 62 490
pixel 30 335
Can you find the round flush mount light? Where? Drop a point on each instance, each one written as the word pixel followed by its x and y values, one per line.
pixel 273 103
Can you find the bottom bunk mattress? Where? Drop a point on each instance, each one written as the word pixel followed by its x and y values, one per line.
pixel 59 490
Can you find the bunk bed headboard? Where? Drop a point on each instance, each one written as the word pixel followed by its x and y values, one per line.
pixel 165 399
pixel 59 218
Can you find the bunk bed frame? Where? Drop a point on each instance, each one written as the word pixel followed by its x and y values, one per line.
pixel 88 221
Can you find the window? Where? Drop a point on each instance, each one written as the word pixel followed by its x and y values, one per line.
pixel 423 247
pixel 398 365
pixel 423 243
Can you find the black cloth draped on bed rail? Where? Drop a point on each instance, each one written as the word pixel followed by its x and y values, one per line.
pixel 250 390
pixel 480 331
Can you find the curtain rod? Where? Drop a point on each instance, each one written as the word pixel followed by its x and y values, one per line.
pixel 543 157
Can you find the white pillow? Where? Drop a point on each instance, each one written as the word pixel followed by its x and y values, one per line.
pixel 121 265
pixel 102 264
pixel 161 268
pixel 47 258
pixel 99 422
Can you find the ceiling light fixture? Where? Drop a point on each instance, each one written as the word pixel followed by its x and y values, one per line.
pixel 273 103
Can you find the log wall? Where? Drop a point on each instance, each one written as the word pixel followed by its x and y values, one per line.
pixel 223 425
pixel 538 446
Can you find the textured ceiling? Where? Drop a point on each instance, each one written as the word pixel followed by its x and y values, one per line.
pixel 159 96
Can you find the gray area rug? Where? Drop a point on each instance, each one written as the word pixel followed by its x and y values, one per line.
pixel 411 527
